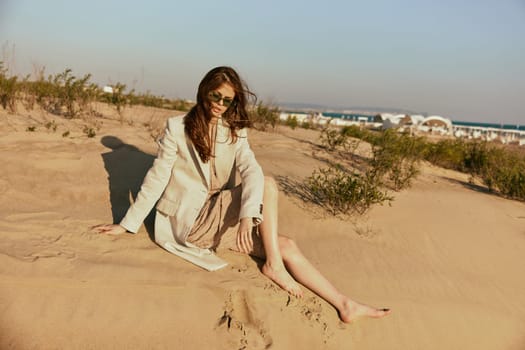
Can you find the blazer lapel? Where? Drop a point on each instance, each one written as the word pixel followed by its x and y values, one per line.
pixel 226 150
pixel 203 168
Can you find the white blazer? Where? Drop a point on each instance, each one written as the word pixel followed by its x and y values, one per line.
pixel 180 182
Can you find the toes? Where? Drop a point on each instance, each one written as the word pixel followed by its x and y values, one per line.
pixel 380 312
pixel 385 312
pixel 296 292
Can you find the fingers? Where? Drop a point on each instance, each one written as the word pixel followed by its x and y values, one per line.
pixel 108 229
pixel 99 228
pixel 102 228
pixel 241 242
pixel 244 239
pixel 249 240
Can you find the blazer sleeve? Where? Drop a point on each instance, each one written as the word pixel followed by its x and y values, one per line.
pixel 155 181
pixel 252 180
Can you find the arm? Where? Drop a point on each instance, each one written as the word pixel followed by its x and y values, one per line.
pixel 252 180
pixel 155 181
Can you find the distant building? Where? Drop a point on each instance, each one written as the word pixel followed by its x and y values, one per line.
pixel 436 124
pixel 413 124
pixel 300 117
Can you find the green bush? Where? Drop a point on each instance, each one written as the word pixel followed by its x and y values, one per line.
pixel 9 89
pixel 507 177
pixel 476 156
pixel 44 92
pixel 264 115
pixel 73 93
pixel 150 100
pixel 291 121
pixel 338 139
pixel 500 169
pixel 394 163
pixel 307 125
pixel 145 99
pixel 332 139
pixel 341 192
pixel 27 97
pixel 354 131
pixel 118 98
pixel 64 94
pixel 447 154
pixel 181 105
pixel 396 158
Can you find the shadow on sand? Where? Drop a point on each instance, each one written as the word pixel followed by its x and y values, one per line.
pixel 469 185
pixel 126 166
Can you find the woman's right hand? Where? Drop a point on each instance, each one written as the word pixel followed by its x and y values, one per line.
pixel 109 229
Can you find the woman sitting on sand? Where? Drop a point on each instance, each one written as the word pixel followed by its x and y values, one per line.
pixel 200 209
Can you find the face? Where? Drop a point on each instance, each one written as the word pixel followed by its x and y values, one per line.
pixel 224 92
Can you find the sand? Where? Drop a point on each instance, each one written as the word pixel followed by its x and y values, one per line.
pixel 446 257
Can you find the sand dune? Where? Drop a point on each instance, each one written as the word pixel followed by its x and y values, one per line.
pixel 446 257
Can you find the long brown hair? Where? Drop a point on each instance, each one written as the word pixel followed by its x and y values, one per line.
pixel 198 118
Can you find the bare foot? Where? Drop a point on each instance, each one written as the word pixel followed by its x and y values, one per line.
pixel 283 279
pixel 352 310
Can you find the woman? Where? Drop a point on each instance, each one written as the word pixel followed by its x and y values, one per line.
pixel 201 209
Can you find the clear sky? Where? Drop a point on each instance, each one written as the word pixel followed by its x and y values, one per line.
pixel 462 59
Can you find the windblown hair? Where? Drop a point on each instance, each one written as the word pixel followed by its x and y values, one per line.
pixel 198 118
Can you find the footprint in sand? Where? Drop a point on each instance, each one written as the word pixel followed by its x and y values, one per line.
pixel 44 254
pixel 239 319
pixel 51 254
pixel 38 247
pixel 312 310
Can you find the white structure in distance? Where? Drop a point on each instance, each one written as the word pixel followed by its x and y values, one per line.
pixel 413 124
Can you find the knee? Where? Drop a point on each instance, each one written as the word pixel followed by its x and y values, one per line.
pixel 288 247
pixel 270 185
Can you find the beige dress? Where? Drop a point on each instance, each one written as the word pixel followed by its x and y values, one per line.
pixel 218 221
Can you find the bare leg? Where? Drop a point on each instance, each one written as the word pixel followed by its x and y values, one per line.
pixel 281 251
pixel 304 272
pixel 274 267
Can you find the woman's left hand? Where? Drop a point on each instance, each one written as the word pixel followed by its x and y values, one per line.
pixel 244 235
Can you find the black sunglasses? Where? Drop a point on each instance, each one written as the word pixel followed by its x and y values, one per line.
pixel 215 96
